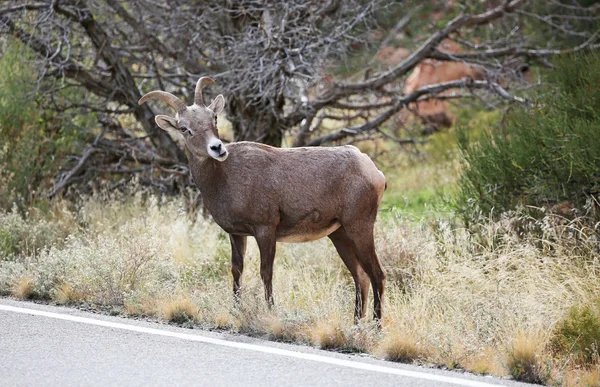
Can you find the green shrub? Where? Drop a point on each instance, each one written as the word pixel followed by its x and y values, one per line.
pixel 32 144
pixel 8 243
pixel 578 334
pixel 20 136
pixel 547 155
pixel 24 234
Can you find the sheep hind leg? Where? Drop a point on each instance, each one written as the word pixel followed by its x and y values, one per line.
pixel 267 245
pixel 344 247
pixel 364 246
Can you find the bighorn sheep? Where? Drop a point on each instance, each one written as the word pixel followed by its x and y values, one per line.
pixel 282 195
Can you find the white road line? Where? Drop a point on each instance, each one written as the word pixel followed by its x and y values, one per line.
pixel 252 347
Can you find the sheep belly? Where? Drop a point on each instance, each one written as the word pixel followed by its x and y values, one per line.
pixel 304 235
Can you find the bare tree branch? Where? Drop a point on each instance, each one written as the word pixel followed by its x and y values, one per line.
pixel 589 44
pixel 29 7
pixel 402 102
pixel 422 52
pixel 67 178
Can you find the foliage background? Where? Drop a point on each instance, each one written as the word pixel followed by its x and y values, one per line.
pixel 544 157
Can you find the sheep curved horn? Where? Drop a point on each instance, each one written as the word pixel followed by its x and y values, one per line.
pixel 166 97
pixel 198 98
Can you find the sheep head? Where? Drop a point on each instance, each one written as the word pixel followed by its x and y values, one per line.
pixel 197 123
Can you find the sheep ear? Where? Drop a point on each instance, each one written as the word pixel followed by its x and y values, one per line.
pixel 217 104
pixel 166 122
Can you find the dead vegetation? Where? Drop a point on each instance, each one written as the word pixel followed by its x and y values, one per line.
pixel 453 301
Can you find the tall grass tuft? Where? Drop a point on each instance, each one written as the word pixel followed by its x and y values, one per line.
pixel 524 360
pixel 179 310
pixel 329 335
pixel 24 288
pixel 402 347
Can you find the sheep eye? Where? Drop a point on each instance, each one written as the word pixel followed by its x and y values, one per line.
pixel 183 129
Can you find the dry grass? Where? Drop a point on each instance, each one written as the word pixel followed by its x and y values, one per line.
pixel 402 346
pixel 144 307
pixel 452 298
pixel 178 310
pixel 484 362
pixel 65 294
pixel 23 288
pixel 329 335
pixel 274 328
pixel 223 320
pixel 589 377
pixel 524 359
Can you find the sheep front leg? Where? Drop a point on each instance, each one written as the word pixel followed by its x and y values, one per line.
pixel 238 249
pixel 267 245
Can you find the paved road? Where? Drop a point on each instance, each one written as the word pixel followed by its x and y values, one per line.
pixel 43 345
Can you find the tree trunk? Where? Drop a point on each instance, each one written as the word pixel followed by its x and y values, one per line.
pixel 256 122
pixel 127 91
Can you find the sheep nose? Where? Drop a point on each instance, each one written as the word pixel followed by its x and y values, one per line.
pixel 216 148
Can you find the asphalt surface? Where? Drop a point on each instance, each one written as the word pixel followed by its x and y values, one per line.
pixel 43 345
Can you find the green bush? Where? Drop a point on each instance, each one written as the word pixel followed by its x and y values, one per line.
pixel 32 143
pixel 578 335
pixel 547 155
pixel 8 243
pixel 17 119
pixel 24 234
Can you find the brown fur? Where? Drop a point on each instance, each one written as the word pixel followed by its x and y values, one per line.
pixel 297 194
